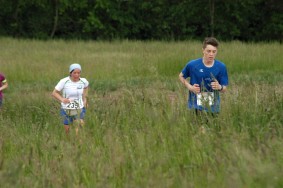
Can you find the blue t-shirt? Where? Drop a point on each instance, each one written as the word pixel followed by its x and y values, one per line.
pixel 203 76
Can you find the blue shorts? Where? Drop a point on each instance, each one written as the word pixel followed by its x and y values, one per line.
pixel 67 119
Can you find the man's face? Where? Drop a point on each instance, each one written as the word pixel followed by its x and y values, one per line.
pixel 209 53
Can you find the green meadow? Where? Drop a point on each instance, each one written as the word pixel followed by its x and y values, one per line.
pixel 139 132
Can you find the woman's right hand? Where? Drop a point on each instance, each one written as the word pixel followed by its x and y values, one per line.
pixel 66 101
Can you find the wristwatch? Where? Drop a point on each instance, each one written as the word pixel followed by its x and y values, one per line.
pixel 221 88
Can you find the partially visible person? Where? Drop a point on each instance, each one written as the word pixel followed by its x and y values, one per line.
pixel 72 92
pixel 208 77
pixel 3 85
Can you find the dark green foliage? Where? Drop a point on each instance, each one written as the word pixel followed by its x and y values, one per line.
pixel 245 20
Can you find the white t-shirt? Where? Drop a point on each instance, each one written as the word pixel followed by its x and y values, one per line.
pixel 73 91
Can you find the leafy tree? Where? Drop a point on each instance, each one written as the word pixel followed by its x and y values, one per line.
pixel 247 20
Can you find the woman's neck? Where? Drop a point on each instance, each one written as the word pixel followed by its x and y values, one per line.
pixel 74 79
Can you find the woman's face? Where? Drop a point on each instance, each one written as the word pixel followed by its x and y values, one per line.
pixel 75 75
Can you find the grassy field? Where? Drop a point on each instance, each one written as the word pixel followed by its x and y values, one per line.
pixel 138 130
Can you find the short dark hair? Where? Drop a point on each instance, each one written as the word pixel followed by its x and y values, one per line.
pixel 210 41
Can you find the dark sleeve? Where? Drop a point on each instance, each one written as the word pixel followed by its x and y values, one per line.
pixel 186 71
pixel 224 76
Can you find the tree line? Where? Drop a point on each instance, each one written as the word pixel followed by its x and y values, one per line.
pixel 245 20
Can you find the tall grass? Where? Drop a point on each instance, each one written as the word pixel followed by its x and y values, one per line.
pixel 139 132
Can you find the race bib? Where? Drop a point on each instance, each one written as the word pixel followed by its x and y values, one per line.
pixel 205 99
pixel 74 104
